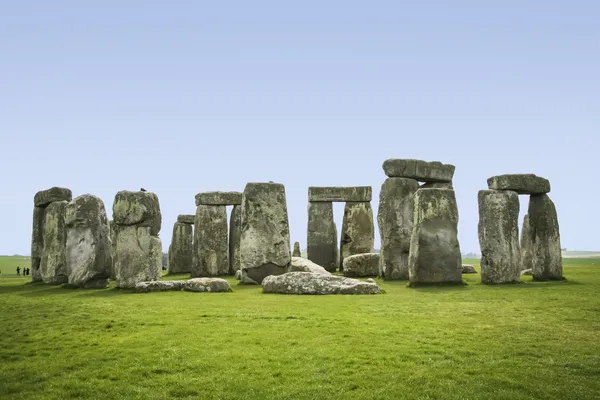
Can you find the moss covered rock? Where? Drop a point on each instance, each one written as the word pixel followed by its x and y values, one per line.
pixel 45 197
pixel 358 230
pixel 211 251
pixel 545 236
pixel 53 265
pixel 423 171
pixel 520 183
pixel 235 234
pixel 186 219
pixel 322 239
pixel 137 208
pixel 340 193
pixel 138 256
pixel 360 265
pixel 219 198
pixel 181 250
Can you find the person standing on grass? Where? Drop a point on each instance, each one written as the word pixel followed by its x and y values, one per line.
pixel 18 271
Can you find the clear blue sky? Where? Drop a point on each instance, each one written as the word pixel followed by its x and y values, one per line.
pixel 188 96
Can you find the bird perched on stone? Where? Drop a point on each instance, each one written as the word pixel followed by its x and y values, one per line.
pixel 142 190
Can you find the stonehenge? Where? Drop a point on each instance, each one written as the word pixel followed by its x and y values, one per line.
pixel 296 252
pixel 181 250
pixel 235 234
pixel 546 263
pixel 53 265
pixel 360 265
pixel 358 230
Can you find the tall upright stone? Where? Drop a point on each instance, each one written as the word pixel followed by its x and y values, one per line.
pixel 138 249
pixel 235 234
pixel 499 236
pixel 211 251
pixel 53 266
pixel 181 250
pixel 112 234
pixel 434 249
pixel 321 240
pixel 526 245
pixel 545 235
pixel 296 252
pixel 88 246
pixel 265 239
pixel 395 220
pixel 358 230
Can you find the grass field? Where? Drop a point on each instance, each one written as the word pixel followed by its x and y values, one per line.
pixel 528 341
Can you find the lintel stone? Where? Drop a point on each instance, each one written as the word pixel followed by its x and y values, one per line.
pixel 219 199
pixel 340 194
pixel 520 183
pixel 186 219
pixel 422 171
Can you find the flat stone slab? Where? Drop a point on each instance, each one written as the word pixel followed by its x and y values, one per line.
pixel 159 286
pixel 362 265
pixel 313 283
pixel 186 219
pixel 468 269
pixel 340 193
pixel 219 198
pixel 45 197
pixel 423 171
pixel 303 265
pixel 520 183
pixel 211 285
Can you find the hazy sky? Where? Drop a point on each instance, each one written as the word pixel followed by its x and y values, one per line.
pixel 187 96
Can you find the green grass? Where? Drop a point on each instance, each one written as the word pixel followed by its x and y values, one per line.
pixel 529 341
pixel 9 264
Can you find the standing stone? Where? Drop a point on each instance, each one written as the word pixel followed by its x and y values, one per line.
pixel 181 250
pixel 321 240
pixel 357 230
pixel 88 246
pixel 297 252
pixel 499 236
pixel 53 266
pixel 137 209
pixel 265 240
pixel 434 249
pixel 395 220
pixel 37 243
pixel 210 242
pixel 526 245
pixel 543 222
pixel 112 232
pixel 235 233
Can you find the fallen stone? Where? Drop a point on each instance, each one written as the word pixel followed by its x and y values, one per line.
pixel 139 209
pixel 361 265
pixel 186 219
pixel 422 171
pixel 265 238
pixel 159 286
pixel 300 264
pixel 296 252
pixel 395 220
pixel 219 199
pixel 45 197
pixel 138 256
pixel 545 234
pixel 88 252
pixel 358 231
pixel 340 194
pixel 526 245
pixel 322 247
pixel 520 183
pixel 211 251
pixel 37 243
pixel 527 271
pixel 499 236
pixel 181 251
pixel 435 256
pixel 238 274
pixel 235 234
pixel 207 285
pixel 468 269
pixel 53 266
pixel 314 283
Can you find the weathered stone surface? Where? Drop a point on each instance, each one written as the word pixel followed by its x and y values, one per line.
pixel 181 251
pixel 520 183
pixel 88 247
pixel 235 234
pixel 53 266
pixel 207 285
pixel 211 251
pixel 112 235
pixel 437 185
pixel 395 219
pixel 545 234
pixel 238 274
pixel 339 193
pixel 362 265
pixel 357 231
pixel 526 245
pixel 219 199
pixel 434 249
pixel 303 265
pixel 186 219
pixel 468 269
pixel 527 271
pixel 138 256
pixel 265 239
pixel 314 283
pixel 296 252
pixel 499 236
pixel 45 197
pixel 321 240
pixel 423 171
pixel 139 209
pixel 37 243
pixel 159 286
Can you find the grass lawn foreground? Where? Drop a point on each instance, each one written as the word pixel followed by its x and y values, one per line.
pixel 534 340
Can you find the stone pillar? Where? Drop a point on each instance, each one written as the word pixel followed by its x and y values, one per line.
pixel 526 245
pixel 88 244
pixel 138 249
pixel 321 240
pixel 235 233
pixel 296 252
pixel 434 249
pixel 545 235
pixel 395 220
pixel 499 236
pixel 53 266
pixel 210 242
pixel 181 251
pixel 358 230
pixel 265 239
